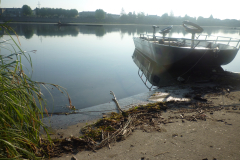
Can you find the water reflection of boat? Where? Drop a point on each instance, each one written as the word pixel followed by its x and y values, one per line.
pixel 201 51
pixel 153 72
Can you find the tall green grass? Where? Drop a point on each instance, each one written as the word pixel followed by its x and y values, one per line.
pixel 20 117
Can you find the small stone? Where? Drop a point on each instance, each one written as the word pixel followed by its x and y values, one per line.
pixel 104 116
pixel 174 135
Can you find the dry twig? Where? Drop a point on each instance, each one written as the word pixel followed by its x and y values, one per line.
pixel 115 100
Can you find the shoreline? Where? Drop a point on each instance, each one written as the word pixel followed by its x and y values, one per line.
pixel 96 112
pixel 189 132
pixel 108 24
pixel 176 91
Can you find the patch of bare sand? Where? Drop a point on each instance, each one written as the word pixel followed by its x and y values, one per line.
pixel 218 137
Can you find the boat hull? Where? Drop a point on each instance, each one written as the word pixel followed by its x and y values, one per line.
pixel 173 56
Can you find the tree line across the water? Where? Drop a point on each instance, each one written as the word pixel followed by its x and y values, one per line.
pixel 170 19
pixel 132 17
pixel 48 30
pixel 43 12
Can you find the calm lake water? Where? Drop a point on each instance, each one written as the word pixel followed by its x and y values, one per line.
pixel 92 61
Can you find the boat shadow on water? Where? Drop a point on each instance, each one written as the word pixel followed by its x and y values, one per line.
pixel 155 74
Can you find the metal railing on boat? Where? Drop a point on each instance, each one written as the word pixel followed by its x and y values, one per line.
pixel 199 40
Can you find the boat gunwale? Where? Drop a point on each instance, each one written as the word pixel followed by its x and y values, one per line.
pixel 230 40
pixel 189 47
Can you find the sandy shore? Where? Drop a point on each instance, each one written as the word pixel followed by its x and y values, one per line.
pixel 217 136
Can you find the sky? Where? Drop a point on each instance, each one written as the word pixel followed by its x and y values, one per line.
pixel 194 8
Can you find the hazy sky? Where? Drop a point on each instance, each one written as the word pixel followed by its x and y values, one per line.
pixel 227 9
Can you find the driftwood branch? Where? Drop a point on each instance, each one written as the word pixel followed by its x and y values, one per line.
pixel 115 100
pixel 125 131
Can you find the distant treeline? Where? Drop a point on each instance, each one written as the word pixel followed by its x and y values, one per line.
pixel 44 30
pixel 58 12
pixel 166 19
pixel 101 17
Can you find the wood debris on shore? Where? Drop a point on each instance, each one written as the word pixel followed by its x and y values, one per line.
pixel 117 127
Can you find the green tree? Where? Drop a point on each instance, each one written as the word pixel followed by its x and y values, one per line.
pixel 141 15
pixel 211 17
pixel 28 32
pixel 43 12
pixel 73 13
pixel 99 14
pixel 134 15
pixel 124 18
pixel 26 10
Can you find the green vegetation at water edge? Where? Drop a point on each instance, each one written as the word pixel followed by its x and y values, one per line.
pixel 21 104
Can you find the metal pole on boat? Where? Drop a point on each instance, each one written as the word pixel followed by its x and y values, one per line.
pixel 193 35
pixel 154 30
pixel 164 34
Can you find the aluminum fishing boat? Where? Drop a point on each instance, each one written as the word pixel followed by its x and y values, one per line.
pixel 201 50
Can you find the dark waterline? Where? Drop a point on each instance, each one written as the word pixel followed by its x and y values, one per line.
pixel 91 61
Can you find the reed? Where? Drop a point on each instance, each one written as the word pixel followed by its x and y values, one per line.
pixel 21 105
